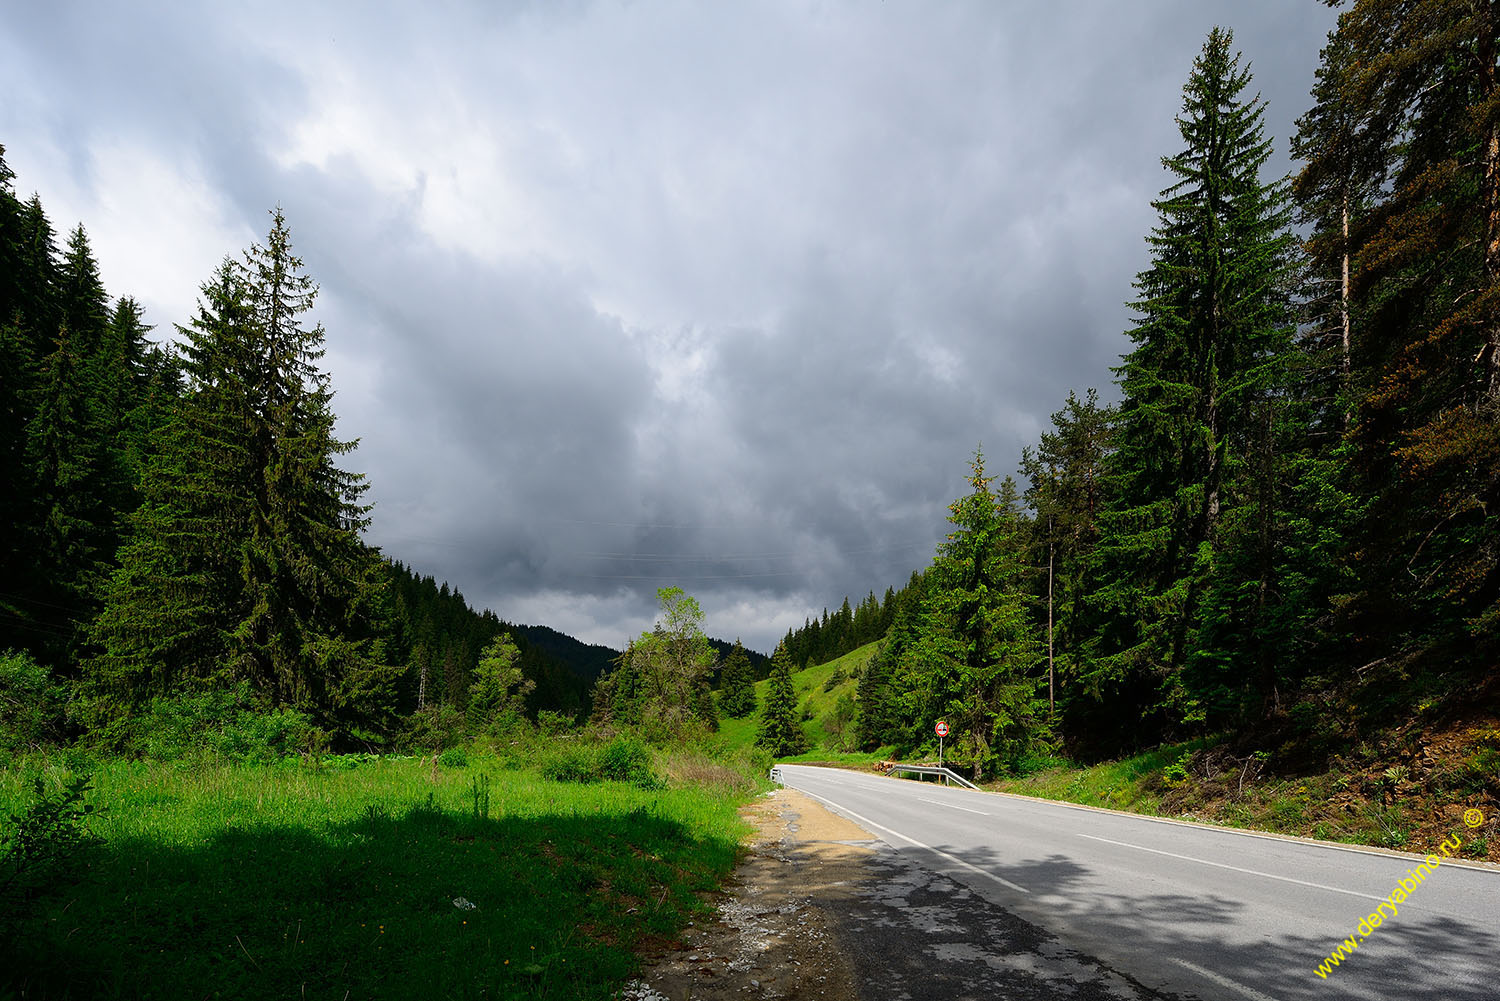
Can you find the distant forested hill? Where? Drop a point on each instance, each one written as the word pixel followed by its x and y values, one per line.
pixel 760 664
pixel 587 660
pixel 438 636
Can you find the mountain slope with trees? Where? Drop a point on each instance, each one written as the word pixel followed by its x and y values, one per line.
pixel 1281 536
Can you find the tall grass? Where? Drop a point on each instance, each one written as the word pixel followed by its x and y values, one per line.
pixel 285 881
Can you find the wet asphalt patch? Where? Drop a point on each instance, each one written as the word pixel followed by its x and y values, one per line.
pixel 912 933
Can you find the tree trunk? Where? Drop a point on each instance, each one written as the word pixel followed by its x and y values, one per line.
pixel 1489 28
pixel 1343 305
pixel 1492 253
pixel 1051 677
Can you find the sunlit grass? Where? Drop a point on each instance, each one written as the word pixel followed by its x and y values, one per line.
pixel 738 734
pixel 1125 784
pixel 275 881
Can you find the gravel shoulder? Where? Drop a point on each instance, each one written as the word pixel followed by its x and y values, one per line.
pixel 820 908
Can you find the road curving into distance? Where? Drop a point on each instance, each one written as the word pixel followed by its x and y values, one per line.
pixel 1191 910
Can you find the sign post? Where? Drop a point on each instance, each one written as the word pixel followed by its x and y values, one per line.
pixel 942 731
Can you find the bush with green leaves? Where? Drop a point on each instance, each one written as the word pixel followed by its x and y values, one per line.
pixel 550 723
pixel 626 758
pixel 41 845
pixel 572 762
pixel 433 727
pixel 1176 773
pixel 32 705
pixel 229 724
pixel 454 757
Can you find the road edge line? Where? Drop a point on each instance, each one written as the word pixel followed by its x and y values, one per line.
pixel 1473 866
pixel 857 818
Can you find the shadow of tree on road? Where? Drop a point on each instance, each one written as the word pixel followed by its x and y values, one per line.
pixel 1419 955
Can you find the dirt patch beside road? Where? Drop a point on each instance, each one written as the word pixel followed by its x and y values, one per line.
pixel 774 937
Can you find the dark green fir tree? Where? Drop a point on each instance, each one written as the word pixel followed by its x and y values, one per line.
pixel 736 687
pixel 245 563
pixel 976 639
pixel 780 729
pixel 1211 347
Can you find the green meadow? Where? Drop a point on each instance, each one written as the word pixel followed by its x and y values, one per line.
pixel 818 690
pixel 365 877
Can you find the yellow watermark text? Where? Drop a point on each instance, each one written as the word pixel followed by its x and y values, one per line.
pixel 1415 877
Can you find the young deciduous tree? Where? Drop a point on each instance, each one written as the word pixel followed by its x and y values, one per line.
pixel 672 660
pixel 497 696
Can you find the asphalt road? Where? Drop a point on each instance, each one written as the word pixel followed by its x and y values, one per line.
pixel 1191 910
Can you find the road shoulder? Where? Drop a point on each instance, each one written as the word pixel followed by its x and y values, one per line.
pixel 773 936
pixel 821 909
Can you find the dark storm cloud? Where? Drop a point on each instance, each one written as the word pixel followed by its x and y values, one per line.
pixel 623 295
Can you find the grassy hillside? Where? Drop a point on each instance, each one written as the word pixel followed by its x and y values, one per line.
pixel 818 689
pixel 1408 795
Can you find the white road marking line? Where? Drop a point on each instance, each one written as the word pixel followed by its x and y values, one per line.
pixel 1235 868
pixel 1223 981
pixel 910 840
pixel 952 806
pixel 1199 825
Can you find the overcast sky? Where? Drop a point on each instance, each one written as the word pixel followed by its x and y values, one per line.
pixel 622 295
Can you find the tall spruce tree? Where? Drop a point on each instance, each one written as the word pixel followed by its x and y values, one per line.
pixel 65 455
pixel 780 728
pixel 10 243
pixel 874 705
pixel 976 640
pixel 1211 344
pixel 28 330
pixel 171 604
pixel 82 301
pixel 36 278
pixel 1333 194
pixel 245 562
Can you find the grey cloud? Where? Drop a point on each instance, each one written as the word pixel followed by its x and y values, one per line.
pixel 726 293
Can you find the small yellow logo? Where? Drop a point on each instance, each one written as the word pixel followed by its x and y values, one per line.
pixel 1473 818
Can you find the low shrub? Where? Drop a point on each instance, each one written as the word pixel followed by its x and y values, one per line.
pixel 32 705
pixel 1032 762
pixel 454 757
pixel 42 844
pixel 552 724
pixel 230 724
pixel 626 758
pixel 577 762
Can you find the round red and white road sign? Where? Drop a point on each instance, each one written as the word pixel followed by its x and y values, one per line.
pixel 941 728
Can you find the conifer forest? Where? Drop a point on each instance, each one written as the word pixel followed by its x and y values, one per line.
pixel 1276 519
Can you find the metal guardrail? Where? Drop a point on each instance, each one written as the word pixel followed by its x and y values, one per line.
pixel 945 773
